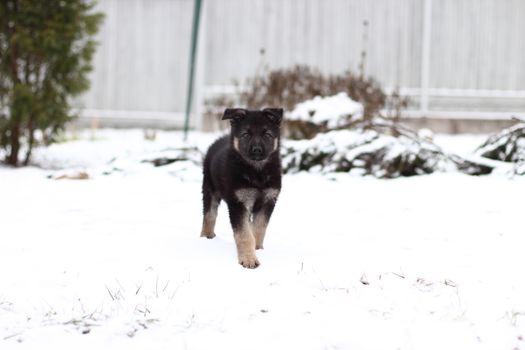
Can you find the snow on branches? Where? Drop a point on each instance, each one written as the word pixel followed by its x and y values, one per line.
pixel 342 141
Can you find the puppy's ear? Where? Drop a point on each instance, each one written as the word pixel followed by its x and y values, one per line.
pixel 234 114
pixel 275 114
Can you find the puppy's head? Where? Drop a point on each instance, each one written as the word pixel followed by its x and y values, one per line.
pixel 255 134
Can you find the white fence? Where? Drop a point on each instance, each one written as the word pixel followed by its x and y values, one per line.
pixel 454 58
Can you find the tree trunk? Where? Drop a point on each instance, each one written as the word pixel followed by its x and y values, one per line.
pixel 30 142
pixel 14 143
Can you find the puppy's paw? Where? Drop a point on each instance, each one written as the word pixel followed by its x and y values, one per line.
pixel 249 261
pixel 259 246
pixel 208 235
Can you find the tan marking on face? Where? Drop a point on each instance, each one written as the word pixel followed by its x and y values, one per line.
pixel 275 144
pixel 245 243
pixel 247 196
pixel 236 144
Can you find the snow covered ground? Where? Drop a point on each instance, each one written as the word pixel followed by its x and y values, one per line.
pixel 116 261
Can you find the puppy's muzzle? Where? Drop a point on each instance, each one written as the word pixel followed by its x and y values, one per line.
pixel 256 152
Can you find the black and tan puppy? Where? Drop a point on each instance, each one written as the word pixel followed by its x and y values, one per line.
pixel 244 170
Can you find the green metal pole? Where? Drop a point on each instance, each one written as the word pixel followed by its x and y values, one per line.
pixel 193 56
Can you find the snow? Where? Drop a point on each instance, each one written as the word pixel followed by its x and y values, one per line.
pixel 332 110
pixel 116 261
pixel 463 145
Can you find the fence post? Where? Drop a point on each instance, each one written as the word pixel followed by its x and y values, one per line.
pixel 200 72
pixel 425 56
pixel 193 50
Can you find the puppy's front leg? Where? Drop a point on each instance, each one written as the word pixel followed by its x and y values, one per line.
pixel 211 204
pixel 260 222
pixel 242 232
pixel 262 216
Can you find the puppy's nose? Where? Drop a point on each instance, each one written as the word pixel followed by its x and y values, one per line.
pixel 257 150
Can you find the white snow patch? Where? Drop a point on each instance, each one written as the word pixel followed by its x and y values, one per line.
pixel 332 110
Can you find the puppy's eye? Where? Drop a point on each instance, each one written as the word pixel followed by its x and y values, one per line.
pixel 245 135
pixel 268 135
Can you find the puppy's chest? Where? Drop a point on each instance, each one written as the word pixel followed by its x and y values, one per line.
pixel 257 189
pixel 251 197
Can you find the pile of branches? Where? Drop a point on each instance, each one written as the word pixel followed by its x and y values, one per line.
pixel 289 86
pixel 172 155
pixel 507 146
pixel 375 147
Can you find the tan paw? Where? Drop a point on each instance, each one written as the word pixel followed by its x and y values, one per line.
pixel 259 246
pixel 249 261
pixel 208 235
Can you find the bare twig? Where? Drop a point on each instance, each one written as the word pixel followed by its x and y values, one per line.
pixel 110 294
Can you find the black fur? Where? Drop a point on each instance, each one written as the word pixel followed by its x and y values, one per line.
pixel 247 159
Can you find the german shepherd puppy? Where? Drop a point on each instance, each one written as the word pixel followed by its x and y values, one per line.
pixel 244 170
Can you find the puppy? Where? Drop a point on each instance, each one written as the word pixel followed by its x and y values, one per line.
pixel 244 170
